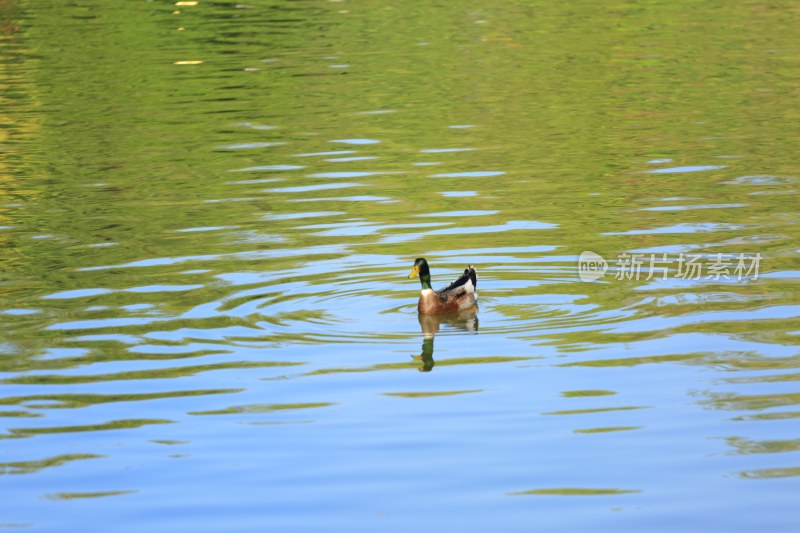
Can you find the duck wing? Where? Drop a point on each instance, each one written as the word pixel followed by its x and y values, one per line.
pixel 467 282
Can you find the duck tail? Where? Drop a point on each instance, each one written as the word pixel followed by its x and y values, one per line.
pixel 472 275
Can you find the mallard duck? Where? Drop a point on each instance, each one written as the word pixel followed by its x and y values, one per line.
pixel 461 294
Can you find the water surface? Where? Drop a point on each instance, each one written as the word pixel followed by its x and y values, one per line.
pixel 208 212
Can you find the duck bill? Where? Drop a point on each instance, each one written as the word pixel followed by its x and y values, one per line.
pixel 414 272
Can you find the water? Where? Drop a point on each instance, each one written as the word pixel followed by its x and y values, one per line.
pixel 208 213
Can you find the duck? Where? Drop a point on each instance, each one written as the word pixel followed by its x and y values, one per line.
pixel 459 295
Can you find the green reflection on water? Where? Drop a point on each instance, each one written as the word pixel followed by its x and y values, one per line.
pixel 594 410
pixel 262 408
pixel 430 394
pixel 144 374
pixel 754 402
pixel 28 467
pixel 85 495
pixel 771 473
pixel 106 426
pixel 766 446
pixel 585 393
pixel 71 400
pixel 19 414
pixel 563 126
pixel 400 366
pixel 610 429
pixel 572 491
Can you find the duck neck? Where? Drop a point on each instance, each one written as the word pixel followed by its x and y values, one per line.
pixel 425 276
pixel 427 355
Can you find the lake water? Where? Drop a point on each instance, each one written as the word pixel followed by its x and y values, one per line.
pixel 208 211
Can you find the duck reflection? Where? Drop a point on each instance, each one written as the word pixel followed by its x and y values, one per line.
pixel 466 319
